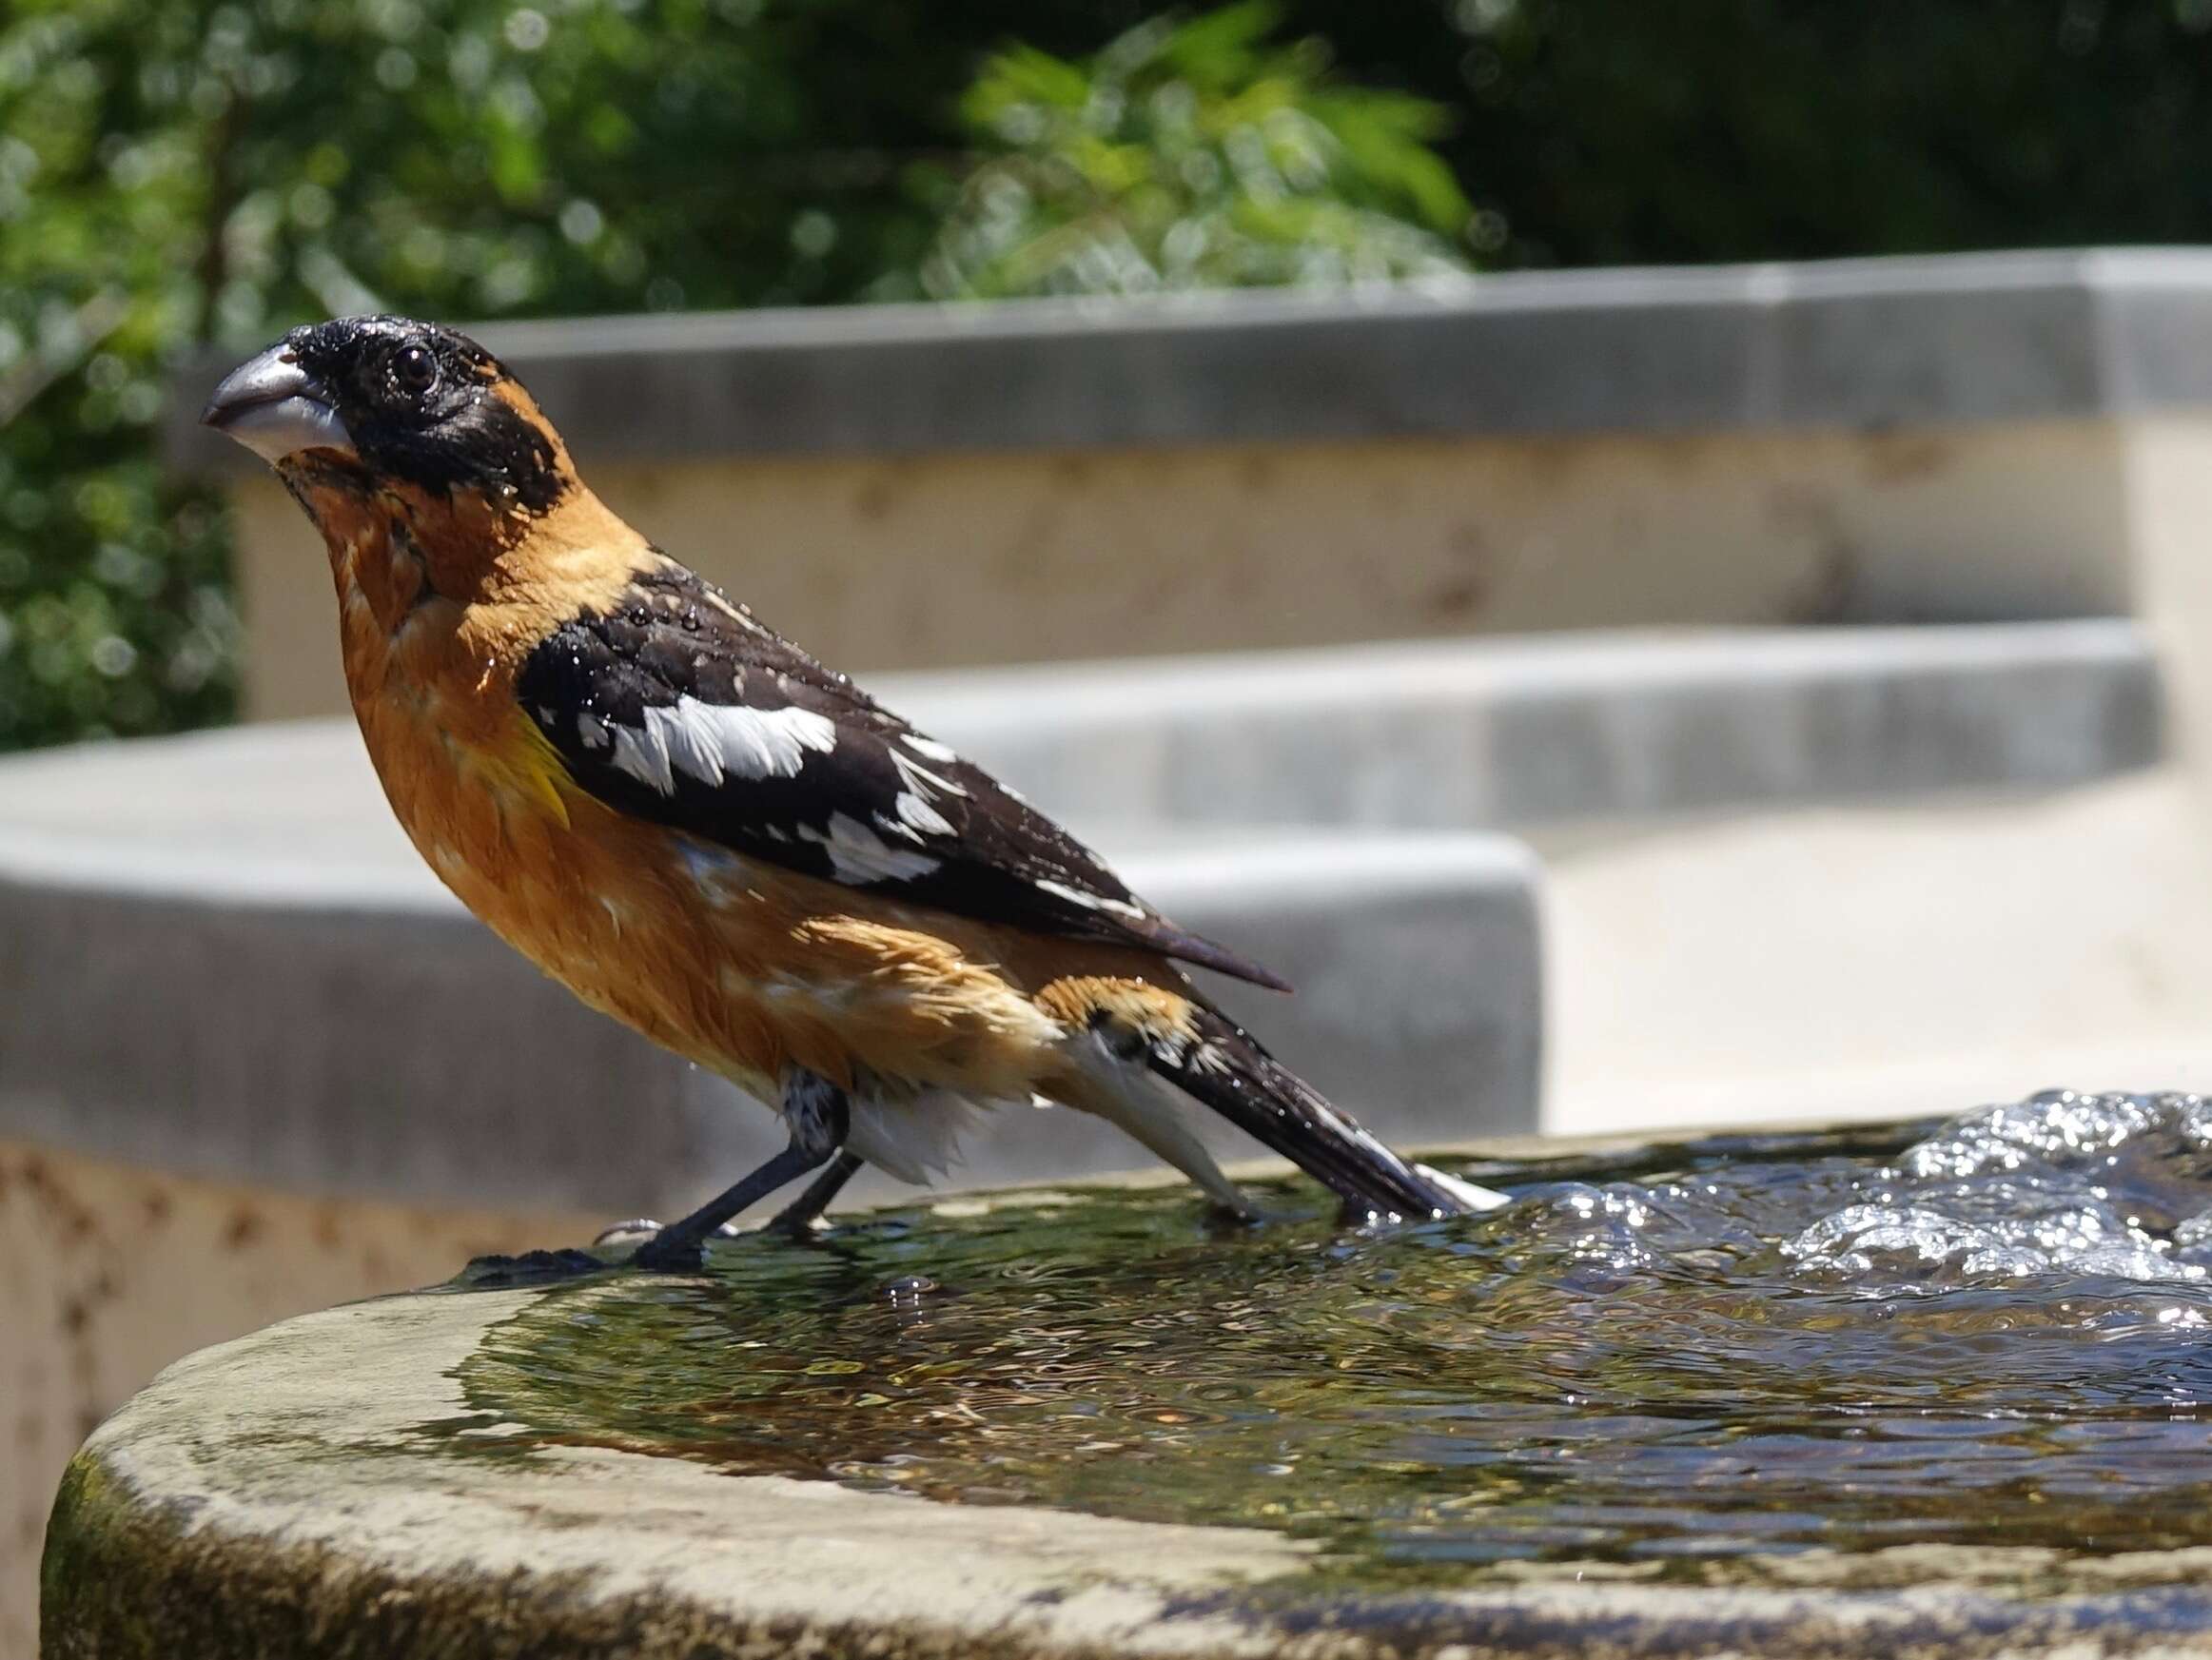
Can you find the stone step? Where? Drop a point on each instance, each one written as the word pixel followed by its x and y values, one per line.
pixel 1540 729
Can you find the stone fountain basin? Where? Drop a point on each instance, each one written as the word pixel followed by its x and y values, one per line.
pixel 940 1432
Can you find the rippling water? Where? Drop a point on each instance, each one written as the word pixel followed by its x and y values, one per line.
pixel 1986 1332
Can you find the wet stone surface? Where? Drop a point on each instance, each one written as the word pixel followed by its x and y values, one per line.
pixel 1751 1361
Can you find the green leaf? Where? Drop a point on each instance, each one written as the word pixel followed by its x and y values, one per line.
pixel 1206 153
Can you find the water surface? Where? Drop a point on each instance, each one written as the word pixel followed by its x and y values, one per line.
pixel 1700 1362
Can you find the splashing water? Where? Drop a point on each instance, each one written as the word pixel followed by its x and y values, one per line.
pixel 1701 1363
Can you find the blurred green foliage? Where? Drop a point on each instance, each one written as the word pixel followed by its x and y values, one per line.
pixel 176 170
pixel 1193 154
pixel 171 172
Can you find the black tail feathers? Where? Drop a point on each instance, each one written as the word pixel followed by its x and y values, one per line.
pixel 1232 1074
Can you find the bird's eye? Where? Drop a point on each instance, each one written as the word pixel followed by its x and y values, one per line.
pixel 414 370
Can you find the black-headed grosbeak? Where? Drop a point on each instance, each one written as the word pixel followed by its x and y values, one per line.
pixel 702 831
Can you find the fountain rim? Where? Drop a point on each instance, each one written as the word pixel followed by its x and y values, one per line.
pixel 305 1474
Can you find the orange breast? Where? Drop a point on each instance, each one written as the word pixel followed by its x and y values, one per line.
pixel 741 968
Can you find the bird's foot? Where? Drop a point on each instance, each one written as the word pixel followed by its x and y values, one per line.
pixel 663 1254
pixel 657 1249
pixel 650 1250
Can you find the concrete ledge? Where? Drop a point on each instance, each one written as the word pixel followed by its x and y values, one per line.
pixel 219 957
pixel 1958 339
pixel 1592 725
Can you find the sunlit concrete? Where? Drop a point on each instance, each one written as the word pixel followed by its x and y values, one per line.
pixel 1870 961
pixel 1453 734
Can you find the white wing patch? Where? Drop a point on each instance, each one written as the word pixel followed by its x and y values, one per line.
pixel 773 743
pixel 1089 901
pixel 917 814
pixel 708 741
pixel 690 738
pixel 920 780
pixel 644 756
pixel 928 749
pixel 858 855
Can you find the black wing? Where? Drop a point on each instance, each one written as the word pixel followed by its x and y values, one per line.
pixel 677 707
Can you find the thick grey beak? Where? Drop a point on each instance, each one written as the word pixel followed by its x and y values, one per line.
pixel 275 408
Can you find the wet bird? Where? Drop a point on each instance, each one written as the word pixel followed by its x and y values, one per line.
pixel 700 831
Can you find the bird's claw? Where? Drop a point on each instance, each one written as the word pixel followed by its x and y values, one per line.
pixel 661 1255
pixel 530 1268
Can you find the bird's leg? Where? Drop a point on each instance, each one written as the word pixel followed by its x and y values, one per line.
pixel 797 1218
pixel 815 1112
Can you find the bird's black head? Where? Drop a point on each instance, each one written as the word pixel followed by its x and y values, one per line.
pixel 405 401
